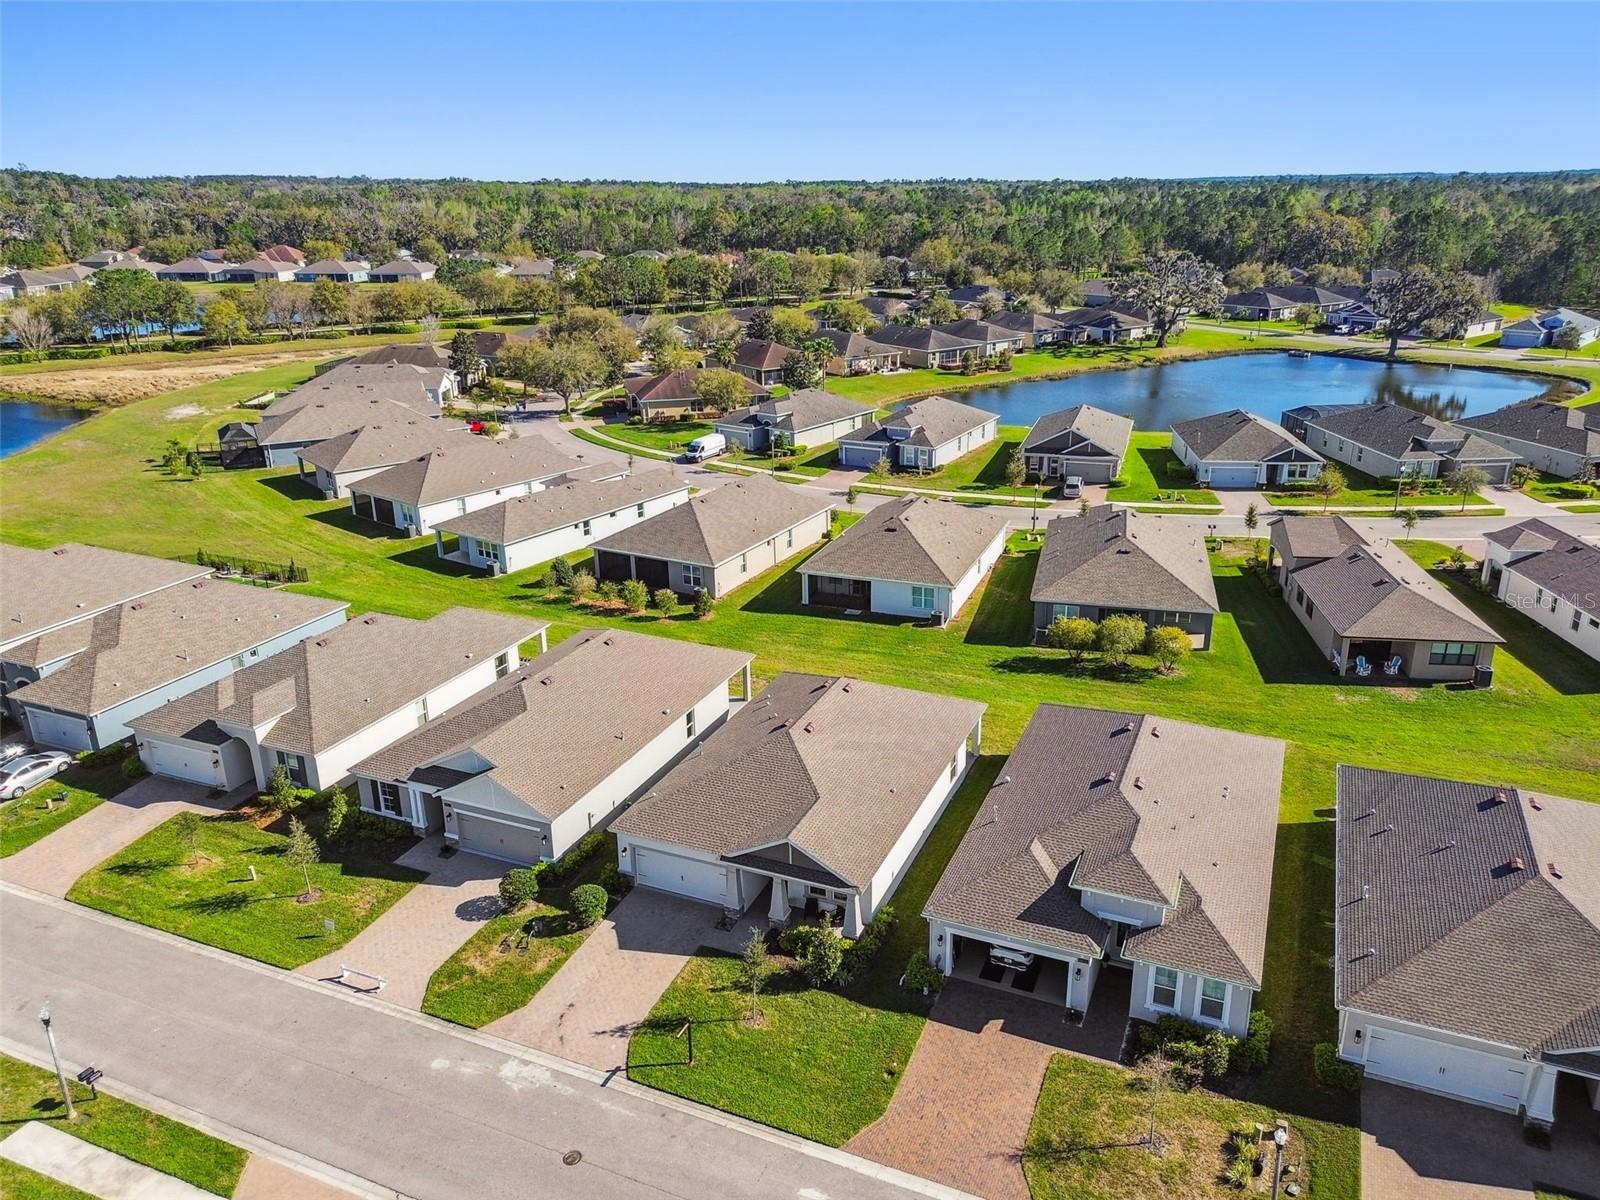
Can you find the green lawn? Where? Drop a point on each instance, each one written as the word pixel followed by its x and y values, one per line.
pixel 24 821
pixel 1552 489
pixel 208 896
pixel 19 1183
pixel 1370 491
pixel 1148 473
pixel 670 437
pixel 28 1093
pixel 983 470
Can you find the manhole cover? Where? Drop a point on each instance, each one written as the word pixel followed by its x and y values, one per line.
pixel 572 1157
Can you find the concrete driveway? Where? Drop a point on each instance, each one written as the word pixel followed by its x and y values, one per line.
pixel 588 1011
pixel 55 862
pixel 1420 1147
pixel 426 926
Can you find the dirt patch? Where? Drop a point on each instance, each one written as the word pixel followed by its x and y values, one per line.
pixel 179 411
pixel 127 382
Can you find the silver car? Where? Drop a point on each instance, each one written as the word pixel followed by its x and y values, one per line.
pixel 1072 487
pixel 18 776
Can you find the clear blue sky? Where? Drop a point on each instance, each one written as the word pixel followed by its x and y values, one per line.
pixel 758 91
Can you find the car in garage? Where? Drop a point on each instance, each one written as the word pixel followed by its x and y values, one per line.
pixel 28 772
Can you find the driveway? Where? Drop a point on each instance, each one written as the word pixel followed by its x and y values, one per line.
pixel 426 926
pixel 587 1012
pixel 55 862
pixel 1420 1147
pixel 961 1114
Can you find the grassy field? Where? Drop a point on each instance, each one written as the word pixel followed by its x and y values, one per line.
pixel 24 821
pixel 983 470
pixel 1151 471
pixel 28 1093
pixel 1370 491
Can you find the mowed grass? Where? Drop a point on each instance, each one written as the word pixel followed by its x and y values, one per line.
pixel 25 820
pixel 1151 471
pixel 1368 491
pixel 673 437
pixel 983 470
pixel 28 1093
pixel 19 1183
pixel 206 894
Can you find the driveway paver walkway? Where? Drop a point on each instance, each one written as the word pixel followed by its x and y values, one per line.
pixel 587 1012
pixel 55 862
pixel 267 1179
pixel 426 926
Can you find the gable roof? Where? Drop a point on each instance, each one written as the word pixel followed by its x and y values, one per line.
pixel 1403 433
pixel 835 767
pixel 285 254
pixel 1067 430
pixel 931 421
pixel 796 412
pixel 912 540
pixel 1025 322
pixel 714 526
pixel 1554 560
pixel 1559 426
pixel 1308 537
pixel 1179 815
pixel 1469 907
pixel 1555 319
pixel 978 331
pixel 382 444
pixel 405 266
pixel 523 517
pixel 347 398
pixel 416 354
pixel 197 266
pixel 333 266
pixel 674 385
pixel 847 343
pixel 919 337
pixel 1288 295
pixel 1240 436
pixel 1120 558
pixel 467 465
pixel 1366 591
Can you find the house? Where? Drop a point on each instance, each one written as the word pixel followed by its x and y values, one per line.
pixel 1554 438
pixel 1108 323
pixel 672 393
pixel 1084 441
pixel 1359 601
pixel 990 339
pixel 1390 440
pixel 1482 325
pixel 417 354
pixel 1117 843
pixel 719 540
pixel 856 354
pixel 1467 939
pixel 105 258
pixel 587 255
pixel 527 530
pixel 1237 449
pixel 325 703
pixel 814 797
pixel 532 268
pixel 530 765
pixel 332 465
pixel 74 273
pixel 886 309
pixel 132 262
pixel 912 557
pixel 925 346
pixel 807 417
pixel 973 293
pixel 1549 576
pixel 353 271
pixel 761 362
pixel 402 270
pixel 1117 560
pixel 1097 293
pixel 66 586
pixel 924 435
pixel 285 254
pixel 465 474
pixel 27 282
pixel 1036 329
pixel 195 270
pixel 1279 303
pixel 346 398
pixel 1542 329
pixel 258 270
pixel 137 656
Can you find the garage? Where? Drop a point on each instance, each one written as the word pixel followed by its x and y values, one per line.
pixel 224 766
pixel 497 839
pixel 680 875
pixel 58 730
pixel 1452 1070
pixel 1234 477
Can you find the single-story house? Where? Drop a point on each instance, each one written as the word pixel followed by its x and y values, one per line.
pixel 77 272
pixel 912 557
pixel 990 338
pixel 1116 560
pixel 1237 449
pixel 813 798
pixel 922 436
pixel 1388 440
pixel 327 702
pixel 973 293
pixel 402 270
pixel 527 767
pixel 856 354
pixel 1118 841
pixel 332 465
pixel 1279 303
pixel 127 660
pixel 807 417
pixel 1485 323
pixel 672 393
pixel 527 530
pixel 1097 293
pixel 532 268
pixel 349 397
pixel 1084 441
pixel 258 270
pixel 353 271
pixel 195 270
pixel 426 355
pixel 1359 601
pixel 1542 329
pixel 468 473
pixel 28 282
pixel 719 539
pixel 105 258
pixel 885 309
pixel 1036 329
pixel 924 346
pixel 1106 323
pixel 1550 576
pixel 761 362
pixel 588 255
pixel 1467 939
pixel 1555 438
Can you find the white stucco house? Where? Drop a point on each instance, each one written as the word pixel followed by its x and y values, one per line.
pixel 921 436
pixel 332 465
pixel 1237 449
pixel 1550 577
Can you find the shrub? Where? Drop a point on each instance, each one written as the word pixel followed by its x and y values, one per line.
pixel 1218 1048
pixel 860 953
pixel 581 587
pixel 579 853
pixel 1074 634
pixel 338 812
pixel 823 957
pixel 106 756
pixel 1198 1049
pixel 132 768
pixel 702 604
pixel 613 880
pixel 608 590
pixel 922 974
pixel 635 595
pixel 561 573
pixel 1331 1072
pixel 370 827
pixel 1251 1053
pixel 280 795
pixel 588 903
pixel 664 600
pixel 518 887
pixel 1168 645
pixel 1241 1172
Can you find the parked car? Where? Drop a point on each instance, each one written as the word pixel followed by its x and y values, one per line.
pixel 1072 487
pixel 23 773
pixel 1343 327
pixel 1005 956
pixel 707 445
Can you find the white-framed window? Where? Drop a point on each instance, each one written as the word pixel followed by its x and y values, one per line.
pixel 502 664
pixel 461 507
pixel 688 724
pixel 639 511
pixel 1065 610
pixel 1163 988
pixel 389 798
pixel 295 765
pixel 588 527
pixel 692 578
pixel 922 597
pixel 1213 999
pixel 789 540
pixel 422 711
pixel 744 564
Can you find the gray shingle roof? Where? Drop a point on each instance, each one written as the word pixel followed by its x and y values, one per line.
pixel 1239 436
pixel 1559 426
pixel 1403 433
pixel 835 767
pixel 715 526
pixel 1068 429
pixel 759 355
pixel 524 517
pixel 1563 565
pixel 931 421
pixel 349 397
pixel 1469 907
pixel 1374 592
pixel 466 466
pixel 797 412
pixel 920 337
pixel 382 445
pixel 1025 322
pixel 45 589
pixel 913 540
pixel 1123 559
pixel 1310 537
pixel 847 343
pixel 674 385
pixel 417 354
pixel 978 331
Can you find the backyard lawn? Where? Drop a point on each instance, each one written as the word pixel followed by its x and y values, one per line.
pixel 206 893
pixel 1368 491
pixel 27 819
pixel 1151 471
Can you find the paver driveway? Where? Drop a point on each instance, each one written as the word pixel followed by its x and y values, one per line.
pixel 961 1114
pixel 266 1179
pixel 426 926
pixel 587 1012
pixel 55 862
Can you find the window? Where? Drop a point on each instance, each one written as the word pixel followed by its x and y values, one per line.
pixel 788 543
pixel 1213 999
pixel 688 723
pixel 1311 609
pixel 588 527
pixel 1164 988
pixel 1065 610
pixel 1299 595
pixel 955 765
pixel 502 664
pixel 744 564
pixel 1554 600
pixel 294 765
pixel 422 711
pixel 1538 596
pixel 921 597
pixel 1577 619
pixel 389 799
pixel 1452 654
pixel 639 512
pixel 692 577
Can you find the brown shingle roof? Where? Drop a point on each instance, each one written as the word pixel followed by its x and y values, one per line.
pixel 673 386
pixel 45 589
pixel 382 445
pixel 1380 592
pixel 1563 565
pixel 466 466
pixel 1240 436
pixel 760 355
pixel 716 525
pixel 913 540
pixel 524 517
pixel 1066 431
pixel 1120 558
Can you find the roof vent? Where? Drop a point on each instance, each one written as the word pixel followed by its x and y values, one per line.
pixel 369 620
pixel 1555 872
pixel 606 642
pixel 1128 727
pixel 1005 779
pixel 1366 891
pixel 58 551
pixel 1500 796
pixel 1138 781
pixel 547 681
pixel 136 606
pixel 1224 791
pixel 1155 731
pixel 1534 804
pixel 808 727
pixel 1516 863
pixel 847 685
pixel 198 584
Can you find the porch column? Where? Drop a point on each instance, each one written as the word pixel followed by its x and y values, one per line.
pixel 744 675
pixel 438 543
pixel 851 926
pixel 778 909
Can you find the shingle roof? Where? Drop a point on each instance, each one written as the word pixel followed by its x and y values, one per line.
pixel 760 355
pixel 1104 317
pixel 1564 566
pixel 885 307
pixel 524 517
pixel 1559 426
pixel 382 445
pixel 912 540
pixel 1401 433
pixel 835 767
pixel 347 398
pixel 566 721
pixel 716 525
pixel 1025 322
pixel 1068 429
pixel 1283 296
pixel 1308 537
pixel 978 331
pixel 326 689
pixel 1120 558
pixel 1381 593
pixel 797 412
pixel 133 648
pixel 333 266
pixel 416 354
pixel 1469 907
pixel 1239 436
pixel 1555 318
pixel 919 337
pixel 932 421
pixel 674 385
pixel 405 266
pixel 847 343
pixel 1181 815
pixel 197 266
pixel 466 466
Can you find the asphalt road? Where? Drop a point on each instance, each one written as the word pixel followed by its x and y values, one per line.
pixel 407 1103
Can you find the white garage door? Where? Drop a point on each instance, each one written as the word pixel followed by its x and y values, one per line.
pixel 1454 1070
pixel 1233 477
pixel 496 839
pixel 176 761
pixel 54 729
pixel 682 876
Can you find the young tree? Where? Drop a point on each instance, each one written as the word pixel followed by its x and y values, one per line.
pixel 32 331
pixel 1169 646
pixel 280 796
pixel 1076 635
pixel 1155 1076
pixel 1408 521
pixel 1016 469
pixel 1418 296
pixel 1307 315
pixel 792 327
pixel 1252 517
pixel 186 832
pixel 1568 338
pixel 338 812
pixel 1328 484
pixel 1169 284
pixel 879 470
pixel 301 851
pixel 1464 481
pixel 1120 635
pixel 755 968
pixel 635 595
pixel 721 390
pixel 665 601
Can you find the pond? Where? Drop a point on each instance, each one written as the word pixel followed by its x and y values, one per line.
pixel 22 424
pixel 1265 384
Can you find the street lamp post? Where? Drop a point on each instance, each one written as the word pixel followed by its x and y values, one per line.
pixel 55 1060
pixel 1280 1139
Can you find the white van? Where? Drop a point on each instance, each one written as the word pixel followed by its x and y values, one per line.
pixel 706 446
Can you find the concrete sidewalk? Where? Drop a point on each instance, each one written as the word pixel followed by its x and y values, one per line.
pixel 89 1168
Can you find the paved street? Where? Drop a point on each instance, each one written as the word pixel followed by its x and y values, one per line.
pixel 397 1099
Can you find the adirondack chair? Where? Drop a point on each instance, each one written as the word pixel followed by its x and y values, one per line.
pixel 1392 667
pixel 1363 667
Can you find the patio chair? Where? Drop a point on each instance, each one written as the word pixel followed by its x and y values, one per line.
pixel 1392 667
pixel 1363 667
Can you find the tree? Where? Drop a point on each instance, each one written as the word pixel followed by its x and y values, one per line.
pixel 1307 315
pixel 518 888
pixel 1016 469
pixel 660 332
pixel 1418 296
pixel 1076 635
pixel 338 812
pixel 1155 1077
pixel 301 851
pixel 1169 284
pixel 879 470
pixel 1058 288
pixel 714 327
pixel 939 310
pixel 330 302
pixel 1328 484
pixel 119 300
pixel 464 358
pixel 759 327
pixel 1464 481
pixel 567 368
pixel 1120 635
pixel 1522 475
pixel 32 331
pixel 171 305
pixel 755 967
pixel 1246 277
pixel 721 390
pixel 935 257
pixel 1252 517
pixel 1169 646
pixel 792 327
pixel 675 357
pixel 850 315
pixel 1568 338
pixel 1408 521
pixel 990 303
pixel 186 832
pixel 280 795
